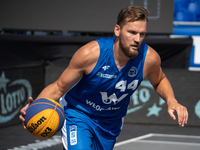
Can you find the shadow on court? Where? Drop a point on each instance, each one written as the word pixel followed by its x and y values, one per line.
pixel 132 137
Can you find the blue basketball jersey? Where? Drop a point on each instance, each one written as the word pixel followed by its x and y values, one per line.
pixel 106 91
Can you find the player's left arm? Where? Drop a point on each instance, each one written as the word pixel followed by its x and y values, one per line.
pixel 163 87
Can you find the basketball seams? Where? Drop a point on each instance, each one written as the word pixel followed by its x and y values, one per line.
pixel 40 103
pixel 61 112
pixel 32 119
pixel 54 111
pixel 57 104
pixel 54 102
pixel 48 111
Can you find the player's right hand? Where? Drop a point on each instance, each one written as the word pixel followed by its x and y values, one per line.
pixel 23 112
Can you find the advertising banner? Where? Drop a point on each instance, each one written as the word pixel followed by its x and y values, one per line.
pixel 16 85
pixel 147 107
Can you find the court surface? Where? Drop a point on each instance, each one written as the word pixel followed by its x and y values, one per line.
pixel 160 141
pixel 132 137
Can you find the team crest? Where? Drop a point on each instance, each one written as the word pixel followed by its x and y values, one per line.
pixel 132 72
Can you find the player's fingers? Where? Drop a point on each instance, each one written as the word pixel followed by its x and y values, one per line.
pixel 22 115
pixel 23 112
pixel 182 115
pixel 21 118
pixel 171 114
pixel 30 99
pixel 23 121
pixel 185 116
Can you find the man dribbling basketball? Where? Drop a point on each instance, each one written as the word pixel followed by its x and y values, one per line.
pixel 102 75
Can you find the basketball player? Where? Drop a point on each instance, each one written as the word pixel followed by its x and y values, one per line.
pixel 97 85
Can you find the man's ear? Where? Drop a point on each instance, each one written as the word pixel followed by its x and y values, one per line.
pixel 117 30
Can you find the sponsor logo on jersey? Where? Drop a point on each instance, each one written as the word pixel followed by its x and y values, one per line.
pixel 108 76
pixel 105 67
pixel 100 108
pixel 132 72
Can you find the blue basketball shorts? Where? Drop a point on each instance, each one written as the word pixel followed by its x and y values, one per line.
pixel 83 132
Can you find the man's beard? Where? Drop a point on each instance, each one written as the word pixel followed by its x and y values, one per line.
pixel 126 50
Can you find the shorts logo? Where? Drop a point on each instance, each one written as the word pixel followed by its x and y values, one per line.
pixel 132 72
pixel 73 134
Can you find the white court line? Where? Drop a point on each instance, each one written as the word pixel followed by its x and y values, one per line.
pixel 176 135
pixel 134 139
pixel 40 144
pixel 168 142
pixel 141 139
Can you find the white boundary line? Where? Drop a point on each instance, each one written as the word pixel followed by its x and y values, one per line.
pixel 176 135
pixel 168 142
pixel 40 144
pixel 134 139
pixel 140 139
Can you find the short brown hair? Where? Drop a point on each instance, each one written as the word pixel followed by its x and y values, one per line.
pixel 130 14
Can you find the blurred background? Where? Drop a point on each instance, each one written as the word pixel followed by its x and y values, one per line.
pixel 38 39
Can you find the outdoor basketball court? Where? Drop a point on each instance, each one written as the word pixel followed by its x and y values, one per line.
pixel 160 141
pixel 132 137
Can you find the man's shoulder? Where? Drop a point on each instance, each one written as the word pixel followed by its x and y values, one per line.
pixel 90 49
pixel 152 61
pixel 151 53
pixel 152 58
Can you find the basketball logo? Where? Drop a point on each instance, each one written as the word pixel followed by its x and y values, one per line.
pixel 44 118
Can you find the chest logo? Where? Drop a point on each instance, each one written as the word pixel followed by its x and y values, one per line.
pixel 105 67
pixel 132 72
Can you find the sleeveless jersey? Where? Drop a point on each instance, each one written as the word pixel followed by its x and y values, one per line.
pixel 106 91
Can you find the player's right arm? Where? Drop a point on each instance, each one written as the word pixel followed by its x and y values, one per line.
pixel 83 62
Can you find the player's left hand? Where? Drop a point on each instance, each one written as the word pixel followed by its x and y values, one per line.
pixel 182 113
